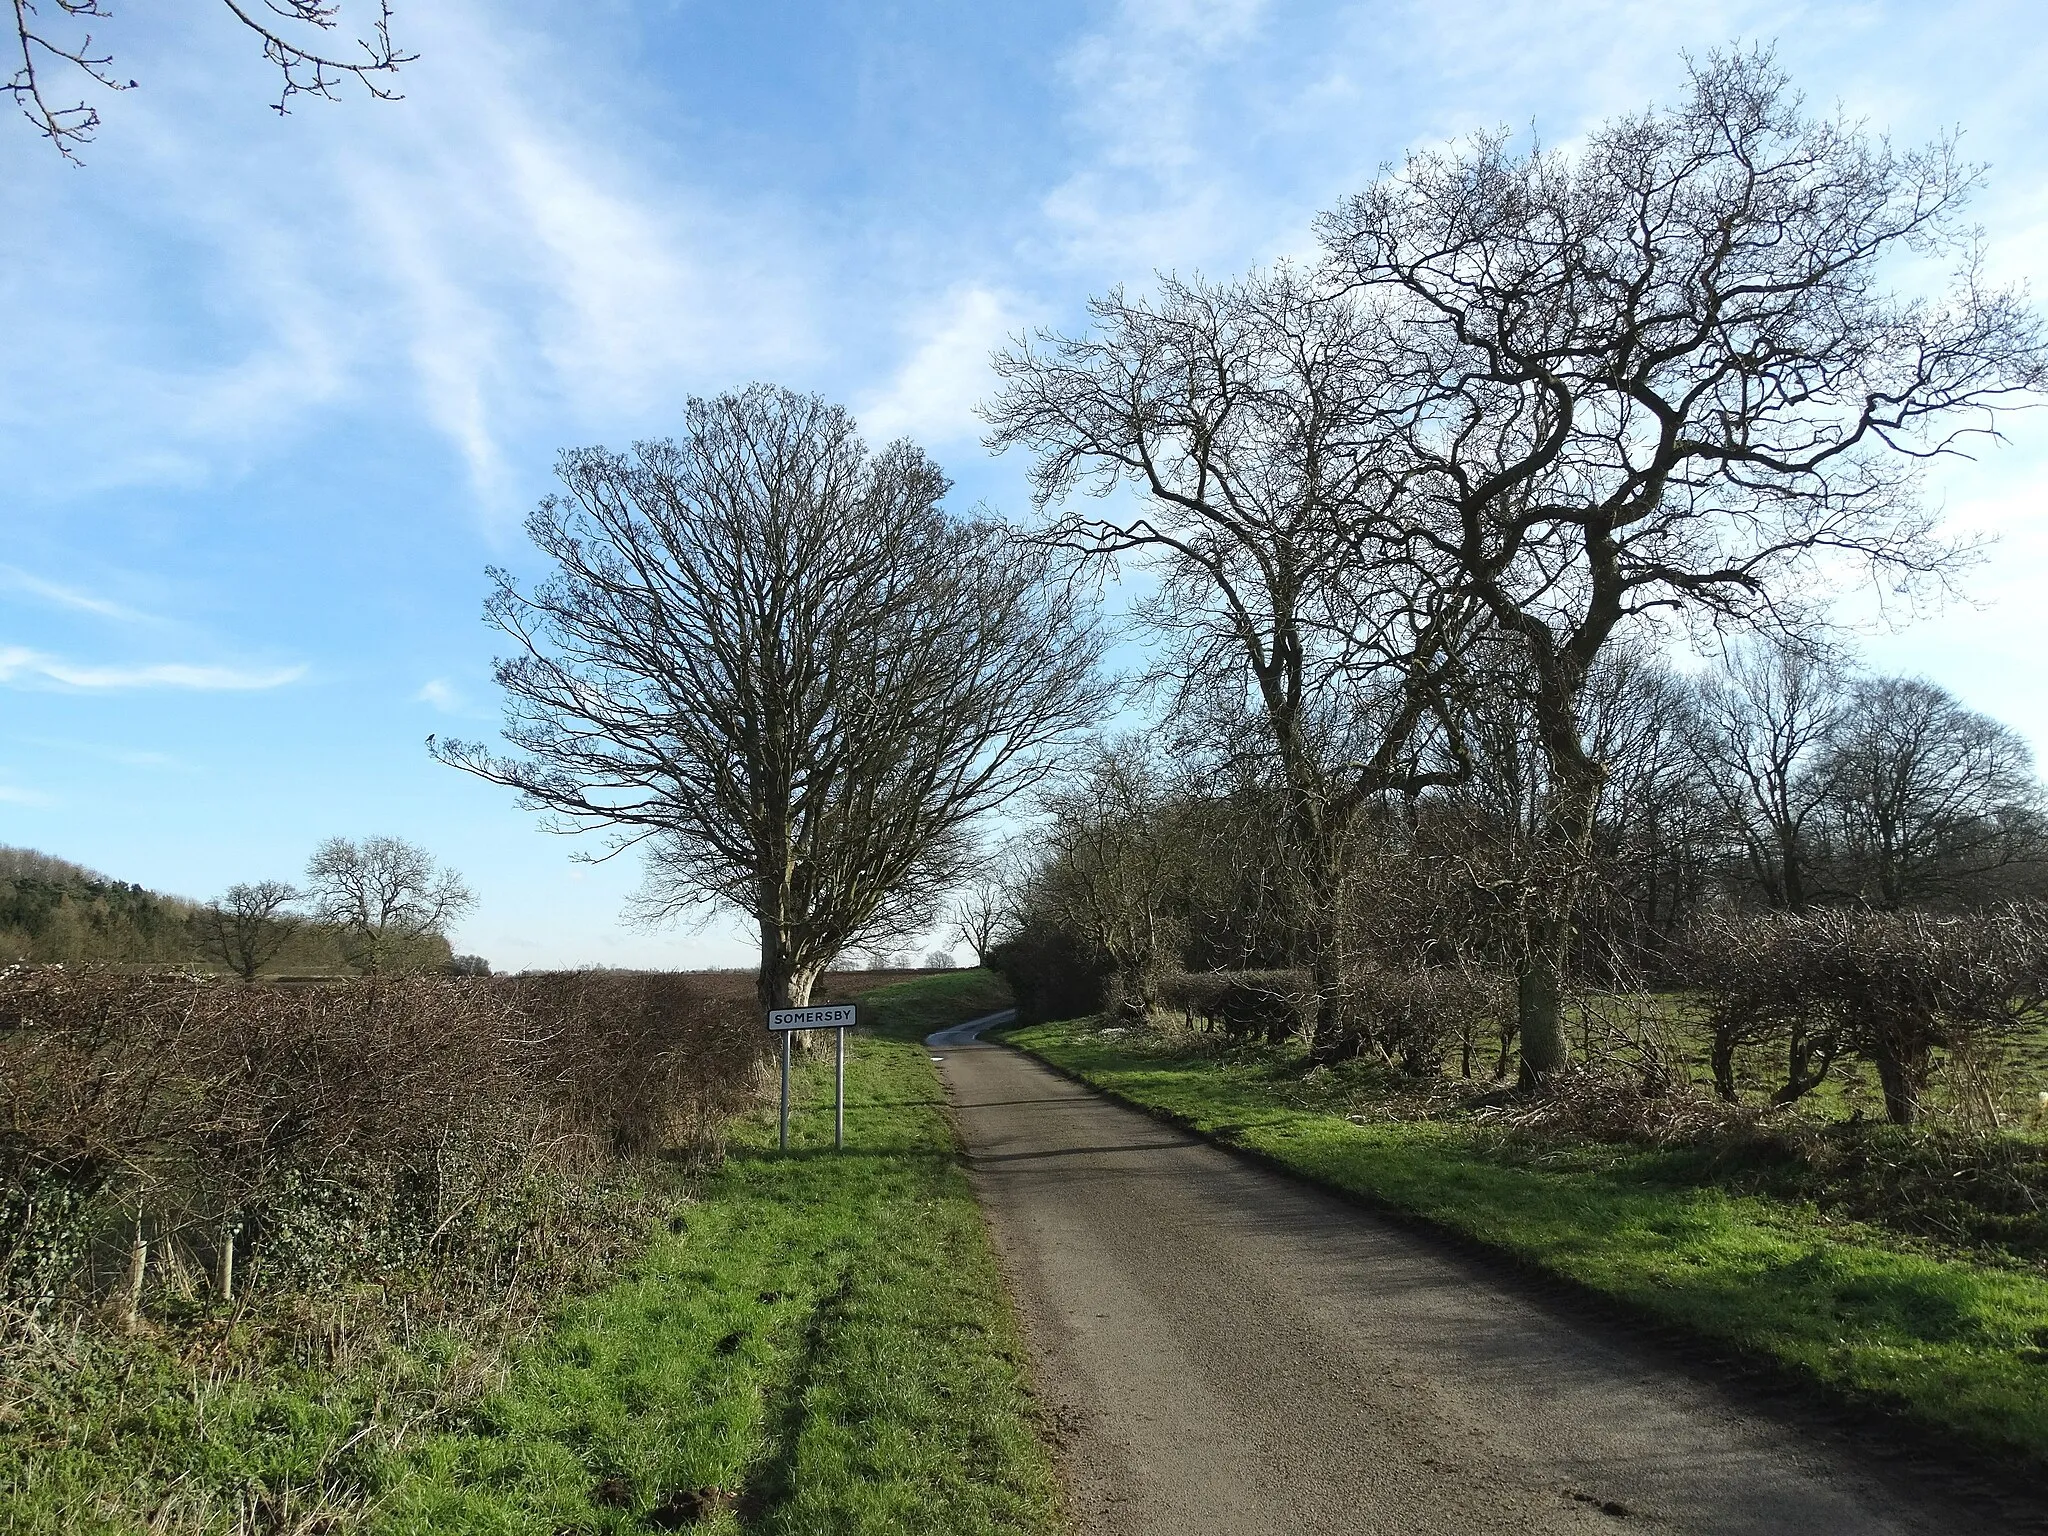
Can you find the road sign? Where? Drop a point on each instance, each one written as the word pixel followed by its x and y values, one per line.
pixel 829 1016
pixel 785 1022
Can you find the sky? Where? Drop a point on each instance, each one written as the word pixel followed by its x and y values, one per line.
pixel 277 390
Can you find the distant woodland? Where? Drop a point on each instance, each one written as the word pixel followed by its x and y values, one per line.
pixel 55 911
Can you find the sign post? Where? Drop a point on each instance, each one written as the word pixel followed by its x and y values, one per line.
pixel 834 1016
pixel 785 1090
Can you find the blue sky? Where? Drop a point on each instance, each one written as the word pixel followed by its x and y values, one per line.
pixel 277 390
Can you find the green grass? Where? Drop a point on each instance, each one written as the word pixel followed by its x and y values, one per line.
pixel 1961 1346
pixel 824 1346
pixel 809 1342
pixel 911 1010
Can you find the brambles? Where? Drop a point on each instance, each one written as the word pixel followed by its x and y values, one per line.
pixel 180 1128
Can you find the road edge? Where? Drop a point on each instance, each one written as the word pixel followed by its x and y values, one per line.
pixel 1866 1426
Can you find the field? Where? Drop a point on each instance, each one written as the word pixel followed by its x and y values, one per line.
pixel 1997 1086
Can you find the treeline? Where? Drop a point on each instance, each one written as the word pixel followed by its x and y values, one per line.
pixel 1775 831
pixel 1421 509
pixel 52 910
pixel 380 905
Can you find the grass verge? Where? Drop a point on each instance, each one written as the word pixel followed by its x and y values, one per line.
pixel 821 1345
pixel 805 1342
pixel 1957 1345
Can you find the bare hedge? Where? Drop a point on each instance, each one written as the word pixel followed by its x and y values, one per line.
pixel 1411 1016
pixel 205 1134
pixel 1889 987
pixel 1269 1005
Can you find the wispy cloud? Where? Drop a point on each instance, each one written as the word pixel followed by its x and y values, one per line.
pixel 1152 192
pixel 11 795
pixel 71 597
pixel 19 663
pixel 126 757
pixel 439 693
pixel 503 261
pixel 933 394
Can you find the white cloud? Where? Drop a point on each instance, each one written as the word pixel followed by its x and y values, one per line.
pixel 71 597
pixel 932 396
pixel 11 795
pixel 440 694
pixel 497 245
pixel 19 662
pixel 1150 194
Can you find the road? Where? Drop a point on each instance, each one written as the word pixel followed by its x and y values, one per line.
pixel 1223 1349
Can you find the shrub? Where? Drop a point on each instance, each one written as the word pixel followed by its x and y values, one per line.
pixel 1271 1005
pixel 297 1134
pixel 1050 973
pixel 1890 987
pixel 1416 1015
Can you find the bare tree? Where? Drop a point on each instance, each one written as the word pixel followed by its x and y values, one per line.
pixel 294 34
pixel 1252 418
pixel 249 925
pixel 1924 798
pixel 774 662
pixel 982 914
pixel 1667 372
pixel 387 895
pixel 1115 867
pixel 1758 727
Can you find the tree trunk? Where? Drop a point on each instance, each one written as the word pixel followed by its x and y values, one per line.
pixel 1802 1076
pixel 1539 999
pixel 1724 1065
pixel 1564 848
pixel 1791 876
pixel 783 980
pixel 1336 1035
pixel 1903 1072
pixel 1334 1032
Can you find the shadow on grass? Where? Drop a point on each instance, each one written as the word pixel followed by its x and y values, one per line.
pixel 772 1487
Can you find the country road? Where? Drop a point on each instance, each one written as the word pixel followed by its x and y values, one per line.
pixel 1223 1349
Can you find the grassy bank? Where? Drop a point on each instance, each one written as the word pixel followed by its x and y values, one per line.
pixel 1957 1339
pixel 821 1346
pixel 801 1342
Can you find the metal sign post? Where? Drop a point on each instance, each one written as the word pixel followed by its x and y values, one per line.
pixel 785 1091
pixel 834 1016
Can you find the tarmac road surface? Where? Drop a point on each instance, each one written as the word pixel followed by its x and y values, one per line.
pixel 1225 1350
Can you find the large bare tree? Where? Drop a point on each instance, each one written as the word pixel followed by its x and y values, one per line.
pixel 773 661
pixel 1251 418
pixel 1116 862
pixel 295 34
pixel 387 896
pixel 249 925
pixel 1925 801
pixel 1667 371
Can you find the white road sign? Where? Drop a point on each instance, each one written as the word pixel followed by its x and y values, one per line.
pixel 830 1016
